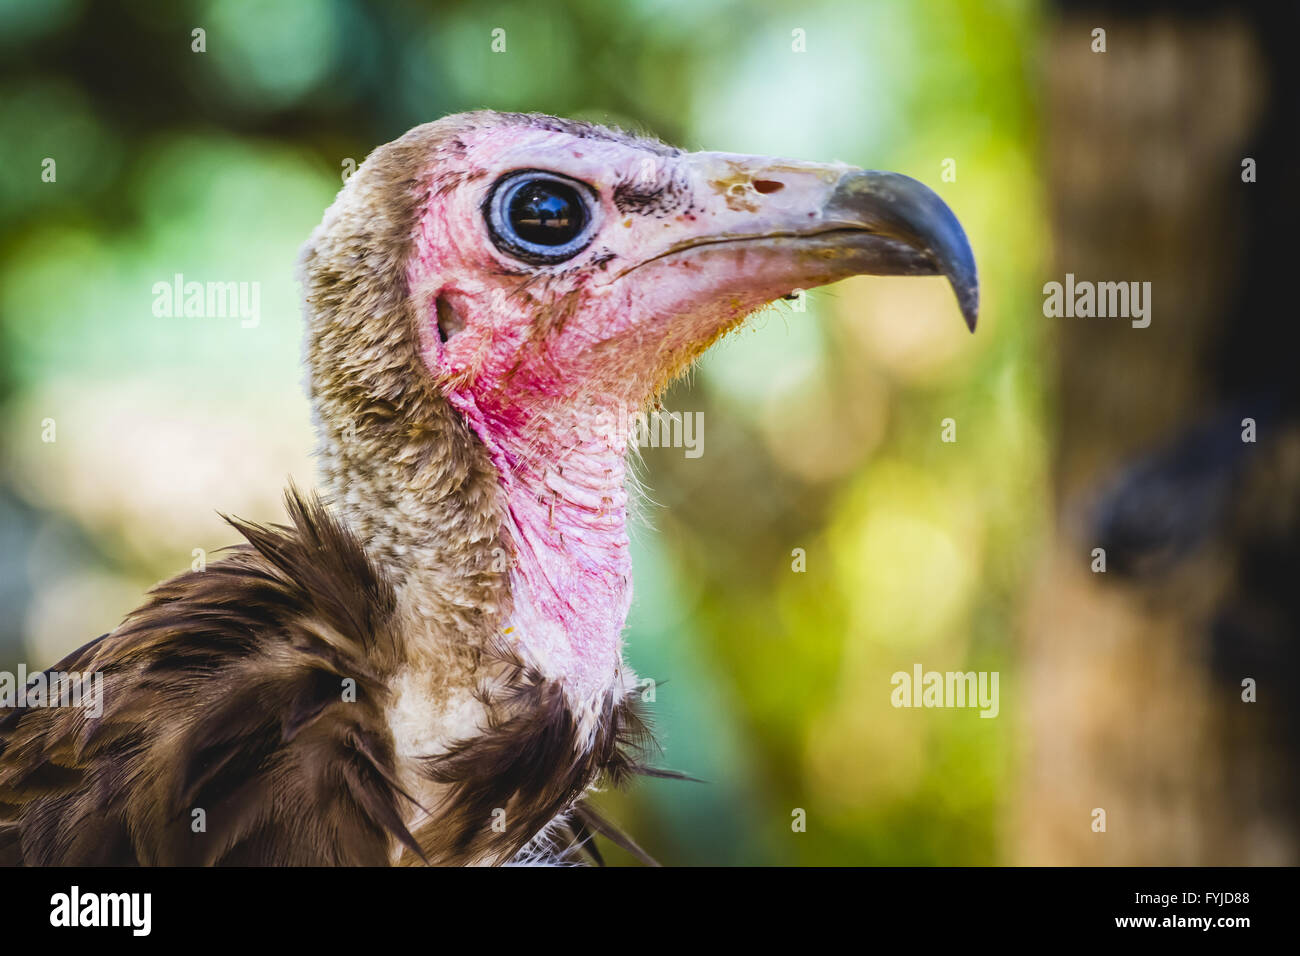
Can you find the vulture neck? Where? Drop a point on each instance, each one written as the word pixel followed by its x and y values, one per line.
pixel 562 475
pixel 536 502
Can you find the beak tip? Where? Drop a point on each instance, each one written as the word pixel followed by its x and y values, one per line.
pixel 957 261
pixel 966 290
pixel 905 209
pixel 970 307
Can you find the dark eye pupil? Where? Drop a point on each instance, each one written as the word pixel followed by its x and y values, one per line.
pixel 547 213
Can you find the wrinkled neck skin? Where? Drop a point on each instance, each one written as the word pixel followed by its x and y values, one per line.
pixel 562 476
pixel 560 459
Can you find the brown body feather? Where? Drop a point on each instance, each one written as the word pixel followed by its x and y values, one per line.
pixel 224 693
pixel 228 693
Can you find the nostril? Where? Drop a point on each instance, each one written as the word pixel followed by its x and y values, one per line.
pixel 768 185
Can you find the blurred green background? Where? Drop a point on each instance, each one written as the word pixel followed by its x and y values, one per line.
pixel 821 429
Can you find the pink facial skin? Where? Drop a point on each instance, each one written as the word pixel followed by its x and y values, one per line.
pixel 552 362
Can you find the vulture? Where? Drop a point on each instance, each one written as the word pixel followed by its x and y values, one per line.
pixel 424 664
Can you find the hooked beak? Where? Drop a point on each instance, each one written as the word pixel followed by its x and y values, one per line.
pixel 761 227
pixel 909 231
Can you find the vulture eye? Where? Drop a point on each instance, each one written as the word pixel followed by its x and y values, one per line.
pixel 540 217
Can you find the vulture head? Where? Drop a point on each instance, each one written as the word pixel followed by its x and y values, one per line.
pixel 490 302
